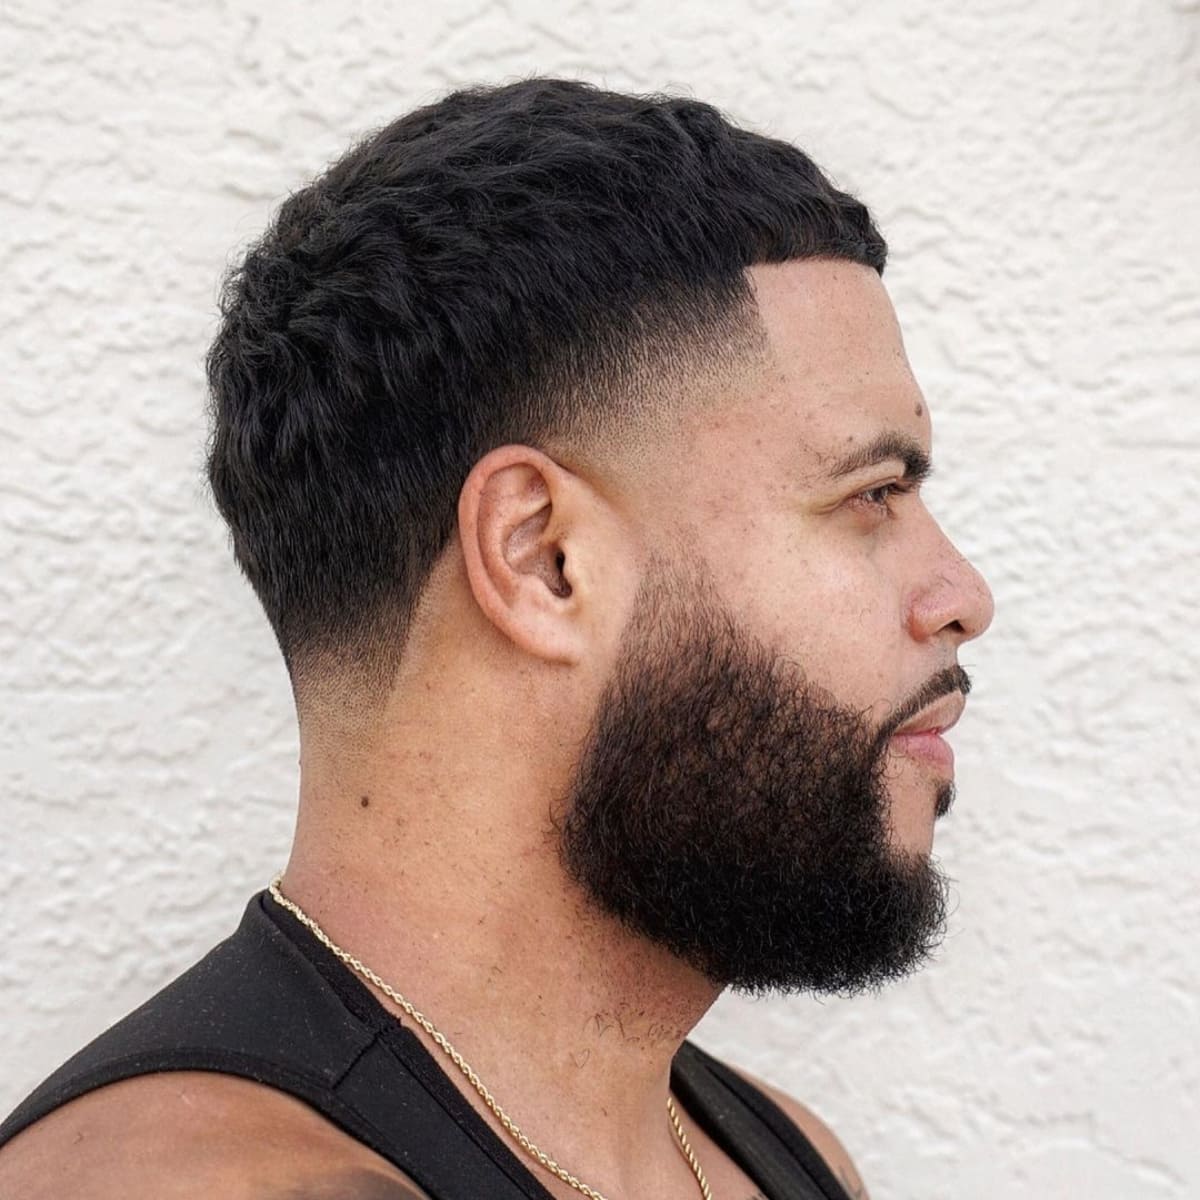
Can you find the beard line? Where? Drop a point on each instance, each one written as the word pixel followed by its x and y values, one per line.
pixel 724 809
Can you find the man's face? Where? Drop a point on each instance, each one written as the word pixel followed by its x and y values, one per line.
pixel 741 799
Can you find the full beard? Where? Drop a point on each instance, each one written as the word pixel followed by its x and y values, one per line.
pixel 729 812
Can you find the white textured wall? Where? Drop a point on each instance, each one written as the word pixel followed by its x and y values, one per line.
pixel 1035 167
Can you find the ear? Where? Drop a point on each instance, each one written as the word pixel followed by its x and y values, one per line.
pixel 527 528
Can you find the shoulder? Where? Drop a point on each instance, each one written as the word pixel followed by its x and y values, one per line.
pixel 824 1140
pixel 185 1134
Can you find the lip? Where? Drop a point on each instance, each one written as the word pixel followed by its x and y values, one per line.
pixel 928 746
pixel 937 718
pixel 920 738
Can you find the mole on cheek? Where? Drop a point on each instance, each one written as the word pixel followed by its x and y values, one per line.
pixel 365 801
pixel 919 409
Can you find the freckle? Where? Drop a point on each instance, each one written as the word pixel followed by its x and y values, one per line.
pixel 920 410
pixel 365 801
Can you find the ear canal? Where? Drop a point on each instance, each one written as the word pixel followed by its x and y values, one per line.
pixel 563 588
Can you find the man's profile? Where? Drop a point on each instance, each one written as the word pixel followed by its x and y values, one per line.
pixel 568 441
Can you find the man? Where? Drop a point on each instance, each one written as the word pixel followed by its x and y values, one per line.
pixel 569 442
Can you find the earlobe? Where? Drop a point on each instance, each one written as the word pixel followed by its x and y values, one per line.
pixel 512 527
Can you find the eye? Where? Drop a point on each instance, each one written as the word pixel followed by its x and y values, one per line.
pixel 881 499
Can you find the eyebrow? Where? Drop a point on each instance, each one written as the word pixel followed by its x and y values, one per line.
pixel 917 464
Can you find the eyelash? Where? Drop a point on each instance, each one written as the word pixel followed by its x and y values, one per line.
pixel 900 488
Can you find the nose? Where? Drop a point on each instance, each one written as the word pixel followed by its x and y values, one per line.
pixel 953 599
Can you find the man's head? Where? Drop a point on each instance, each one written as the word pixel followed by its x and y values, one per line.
pixel 589 416
pixel 507 265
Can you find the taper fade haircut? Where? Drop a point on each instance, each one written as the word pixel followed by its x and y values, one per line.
pixel 541 262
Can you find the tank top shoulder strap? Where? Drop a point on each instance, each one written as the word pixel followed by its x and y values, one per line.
pixel 255 1006
pixel 752 1129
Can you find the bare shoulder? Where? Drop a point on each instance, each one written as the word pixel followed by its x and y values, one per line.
pixel 824 1140
pixel 182 1135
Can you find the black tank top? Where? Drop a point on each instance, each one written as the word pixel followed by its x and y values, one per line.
pixel 271 1004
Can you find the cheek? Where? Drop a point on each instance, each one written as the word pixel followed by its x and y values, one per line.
pixel 830 608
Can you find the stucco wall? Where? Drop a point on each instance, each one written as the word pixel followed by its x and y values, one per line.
pixel 1035 168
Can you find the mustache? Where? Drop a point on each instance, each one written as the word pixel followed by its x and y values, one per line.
pixel 952 679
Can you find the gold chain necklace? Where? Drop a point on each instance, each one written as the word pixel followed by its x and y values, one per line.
pixel 461 1063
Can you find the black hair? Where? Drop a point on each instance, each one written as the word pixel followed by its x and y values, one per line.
pixel 511 263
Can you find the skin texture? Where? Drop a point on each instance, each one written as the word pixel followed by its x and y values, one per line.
pixel 191 1134
pixel 354 1184
pixel 450 881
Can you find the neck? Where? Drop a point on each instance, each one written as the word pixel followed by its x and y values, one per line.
pixel 568 1019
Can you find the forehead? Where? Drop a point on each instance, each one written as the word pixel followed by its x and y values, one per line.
pixel 837 375
pixel 834 380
